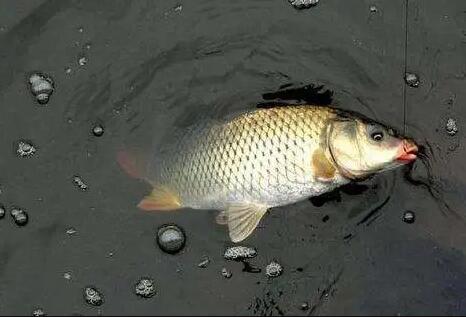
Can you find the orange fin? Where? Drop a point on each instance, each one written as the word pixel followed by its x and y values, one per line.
pixel 160 199
pixel 133 165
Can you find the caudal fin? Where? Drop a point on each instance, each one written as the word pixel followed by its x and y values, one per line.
pixel 131 163
pixel 161 198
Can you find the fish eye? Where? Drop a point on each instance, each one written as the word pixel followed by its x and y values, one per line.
pixel 377 136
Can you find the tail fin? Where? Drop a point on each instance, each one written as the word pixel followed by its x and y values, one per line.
pixel 132 163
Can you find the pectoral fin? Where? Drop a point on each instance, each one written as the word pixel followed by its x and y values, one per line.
pixel 242 219
pixel 160 198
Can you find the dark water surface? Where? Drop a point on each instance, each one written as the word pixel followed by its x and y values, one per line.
pixel 152 65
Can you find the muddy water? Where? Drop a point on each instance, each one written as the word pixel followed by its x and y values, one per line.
pixel 139 68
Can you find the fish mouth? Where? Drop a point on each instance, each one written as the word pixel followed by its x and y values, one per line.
pixel 407 152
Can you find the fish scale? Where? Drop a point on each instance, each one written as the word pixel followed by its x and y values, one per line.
pixel 260 156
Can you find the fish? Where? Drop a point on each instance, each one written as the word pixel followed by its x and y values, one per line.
pixel 259 159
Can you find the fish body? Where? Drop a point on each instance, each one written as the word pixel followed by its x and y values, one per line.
pixel 262 157
pixel 267 158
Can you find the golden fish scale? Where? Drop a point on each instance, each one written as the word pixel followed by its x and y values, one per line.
pixel 253 157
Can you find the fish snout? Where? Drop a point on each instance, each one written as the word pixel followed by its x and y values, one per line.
pixel 407 152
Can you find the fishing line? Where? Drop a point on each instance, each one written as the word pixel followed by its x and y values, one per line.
pixel 405 65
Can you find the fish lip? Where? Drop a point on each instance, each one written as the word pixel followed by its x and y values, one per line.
pixel 408 152
pixel 406 157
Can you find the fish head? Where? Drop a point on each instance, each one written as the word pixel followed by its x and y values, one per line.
pixel 361 148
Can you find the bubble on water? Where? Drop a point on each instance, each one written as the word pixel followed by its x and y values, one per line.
pixel 303 4
pixel 38 312
pixel 226 273
pixel 71 231
pixel 274 269
pixel 80 29
pixel 409 217
pixel 25 148
pixel 88 46
pixel 451 126
pixel 78 181
pixel 42 87
pixel 238 253
pixel 204 262
pixel 67 276
pixel 304 306
pixel 2 211
pixel 171 238
pixel 412 80
pixel 93 296
pixel 68 70
pixel 82 60
pixel 19 216
pixel 98 130
pixel 145 287
pixel 43 98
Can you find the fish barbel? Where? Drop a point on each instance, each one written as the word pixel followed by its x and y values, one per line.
pixel 266 158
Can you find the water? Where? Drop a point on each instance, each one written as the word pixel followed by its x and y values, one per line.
pixel 152 67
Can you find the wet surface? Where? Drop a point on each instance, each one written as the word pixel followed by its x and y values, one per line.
pixel 139 68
